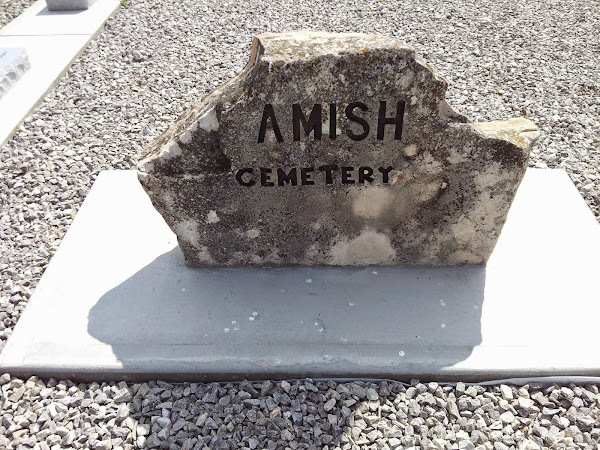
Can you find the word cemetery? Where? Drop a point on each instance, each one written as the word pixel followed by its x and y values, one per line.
pixel 334 149
pixel 284 177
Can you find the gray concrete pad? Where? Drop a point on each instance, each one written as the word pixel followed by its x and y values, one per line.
pixel 117 301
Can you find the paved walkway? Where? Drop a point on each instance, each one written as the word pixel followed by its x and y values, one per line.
pixel 53 40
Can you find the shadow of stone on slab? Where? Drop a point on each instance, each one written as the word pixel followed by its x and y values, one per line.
pixel 183 323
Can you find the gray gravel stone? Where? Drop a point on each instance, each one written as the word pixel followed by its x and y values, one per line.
pixel 4 379
pixel 506 392
pixel 329 405
pixel 372 394
pixel 122 396
pixel 358 390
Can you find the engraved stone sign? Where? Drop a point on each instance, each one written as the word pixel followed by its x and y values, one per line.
pixel 334 149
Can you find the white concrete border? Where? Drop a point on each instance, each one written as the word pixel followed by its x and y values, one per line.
pixel 118 302
pixel 53 40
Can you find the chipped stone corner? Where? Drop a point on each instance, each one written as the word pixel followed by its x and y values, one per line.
pixel 518 131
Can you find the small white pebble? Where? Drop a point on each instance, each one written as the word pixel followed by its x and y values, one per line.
pixel 226 330
pixel 251 318
pixel 309 280
pixel 401 353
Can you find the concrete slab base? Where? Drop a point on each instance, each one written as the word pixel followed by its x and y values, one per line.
pixel 52 40
pixel 117 302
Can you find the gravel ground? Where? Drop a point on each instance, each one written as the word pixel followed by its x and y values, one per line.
pixel 297 415
pixel 9 9
pixel 156 58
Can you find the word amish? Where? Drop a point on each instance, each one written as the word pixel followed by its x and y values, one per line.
pixel 314 123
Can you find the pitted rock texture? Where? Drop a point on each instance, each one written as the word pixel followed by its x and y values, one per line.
pixel 335 149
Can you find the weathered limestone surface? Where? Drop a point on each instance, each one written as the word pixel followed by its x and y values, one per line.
pixel 13 64
pixel 388 175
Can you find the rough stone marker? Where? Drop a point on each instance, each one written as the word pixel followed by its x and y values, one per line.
pixel 334 149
